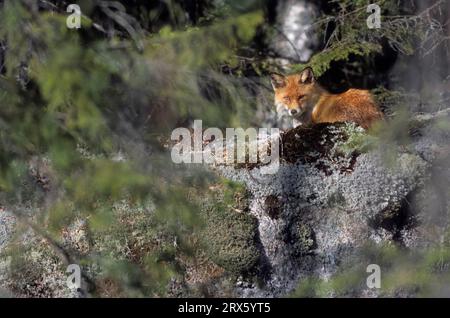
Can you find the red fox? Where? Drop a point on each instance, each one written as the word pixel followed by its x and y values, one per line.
pixel 309 103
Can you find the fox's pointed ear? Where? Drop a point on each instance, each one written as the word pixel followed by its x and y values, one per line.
pixel 307 76
pixel 277 80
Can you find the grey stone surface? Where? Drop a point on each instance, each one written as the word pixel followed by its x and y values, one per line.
pixel 339 210
pixel 7 222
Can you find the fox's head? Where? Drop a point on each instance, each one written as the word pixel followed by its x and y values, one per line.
pixel 296 93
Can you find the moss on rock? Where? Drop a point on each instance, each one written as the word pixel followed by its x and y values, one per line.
pixel 301 237
pixel 230 234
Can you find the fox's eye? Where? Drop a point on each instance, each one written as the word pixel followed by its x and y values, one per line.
pixel 301 97
pixel 287 99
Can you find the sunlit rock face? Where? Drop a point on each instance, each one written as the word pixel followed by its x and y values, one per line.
pixel 294 39
pixel 324 205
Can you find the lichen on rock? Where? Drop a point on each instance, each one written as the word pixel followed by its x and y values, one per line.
pixel 333 193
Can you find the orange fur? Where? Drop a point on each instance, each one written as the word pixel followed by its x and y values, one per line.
pixel 309 103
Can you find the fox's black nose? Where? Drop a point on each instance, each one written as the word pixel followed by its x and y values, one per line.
pixel 293 111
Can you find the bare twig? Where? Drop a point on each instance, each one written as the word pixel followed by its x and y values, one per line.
pixel 65 257
pixel 116 11
pixel 423 119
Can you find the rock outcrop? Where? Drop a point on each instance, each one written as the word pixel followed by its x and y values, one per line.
pixel 336 190
pixel 330 197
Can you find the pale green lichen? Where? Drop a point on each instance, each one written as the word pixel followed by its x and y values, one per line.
pixel 357 140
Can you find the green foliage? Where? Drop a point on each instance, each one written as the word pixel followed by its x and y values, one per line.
pixel 341 51
pixel 357 140
pixel 136 243
pixel 419 272
pixel 184 47
pixel 351 37
pixel 95 102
